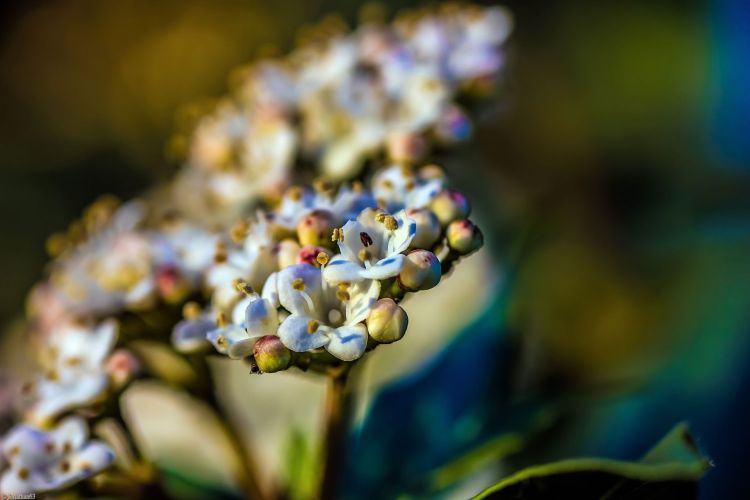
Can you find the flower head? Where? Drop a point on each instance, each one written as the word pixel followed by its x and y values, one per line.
pixel 42 461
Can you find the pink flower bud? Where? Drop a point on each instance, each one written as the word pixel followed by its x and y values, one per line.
pixel 406 147
pixel 421 271
pixel 172 285
pixel 271 355
pixel 428 227
pixel 315 228
pixel 449 206
pixel 464 236
pixel 309 255
pixel 387 321
pixel 122 366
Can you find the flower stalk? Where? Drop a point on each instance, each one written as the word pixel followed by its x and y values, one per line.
pixel 337 416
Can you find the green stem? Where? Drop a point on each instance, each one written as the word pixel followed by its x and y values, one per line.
pixel 336 426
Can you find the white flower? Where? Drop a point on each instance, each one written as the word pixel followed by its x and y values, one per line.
pixel 76 373
pixel 253 262
pixel 323 315
pixel 253 317
pixel 371 247
pixel 42 461
pixel 398 187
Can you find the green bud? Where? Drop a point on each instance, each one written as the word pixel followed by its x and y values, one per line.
pixel 464 236
pixel 449 206
pixel 428 227
pixel 271 355
pixel 421 271
pixel 387 321
pixel 315 228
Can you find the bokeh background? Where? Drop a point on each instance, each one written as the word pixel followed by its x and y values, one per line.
pixel 612 174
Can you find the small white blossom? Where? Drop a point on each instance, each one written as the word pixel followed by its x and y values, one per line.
pixel 371 247
pixel 76 374
pixel 324 315
pixel 40 462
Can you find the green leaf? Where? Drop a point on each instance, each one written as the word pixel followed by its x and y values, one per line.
pixel 670 470
pixel 302 465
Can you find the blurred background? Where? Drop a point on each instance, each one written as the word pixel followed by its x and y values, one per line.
pixel 612 174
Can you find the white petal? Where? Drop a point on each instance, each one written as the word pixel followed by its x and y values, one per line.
pixel 400 239
pixel 12 484
pixel 348 342
pixel 352 244
pixel 271 289
pixel 84 463
pixel 293 333
pixel 141 291
pixel 75 390
pixel 385 268
pixel 103 341
pixel 29 441
pixel 189 336
pixel 261 318
pixel 232 340
pixel 305 302
pixel 341 269
pixel 362 297
pixel 72 430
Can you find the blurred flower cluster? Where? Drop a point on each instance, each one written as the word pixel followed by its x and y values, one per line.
pixel 234 256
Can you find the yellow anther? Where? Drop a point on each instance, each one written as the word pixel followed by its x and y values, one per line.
pixel 295 193
pixel 73 361
pixel 363 255
pixel 221 320
pixel 390 223
pixel 298 284
pixel 67 447
pixel 242 286
pixel 387 184
pixel 23 473
pixel 357 187
pixel 49 448
pixel 239 231
pixel 191 311
pixel 342 295
pixel 220 255
pixel 409 185
pixel 322 258
pixel 322 185
pixel 14 451
pixel 64 465
pixel 312 326
pixel 380 216
pixel 53 375
pixel 337 235
pixel 221 340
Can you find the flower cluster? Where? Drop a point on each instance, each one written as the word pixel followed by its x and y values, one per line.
pixel 341 100
pixel 325 270
pixel 279 276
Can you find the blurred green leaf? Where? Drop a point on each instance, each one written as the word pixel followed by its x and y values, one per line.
pixel 670 470
pixel 301 469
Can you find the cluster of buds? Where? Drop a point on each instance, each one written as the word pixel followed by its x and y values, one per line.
pixel 313 278
pixel 317 280
pixel 340 100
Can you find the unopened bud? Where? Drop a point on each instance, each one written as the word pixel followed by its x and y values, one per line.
pixel 406 147
pixel 464 236
pixel 428 227
pixel 449 206
pixel 286 252
pixel 315 228
pixel 172 285
pixel 122 366
pixel 421 271
pixel 313 255
pixel 453 126
pixel 387 321
pixel 271 355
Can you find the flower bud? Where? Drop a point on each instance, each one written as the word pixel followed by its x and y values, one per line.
pixel 453 126
pixel 309 255
pixel 449 206
pixel 286 252
pixel 315 228
pixel 406 147
pixel 387 321
pixel 122 366
pixel 428 227
pixel 421 271
pixel 464 236
pixel 431 172
pixel 271 355
pixel 172 285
